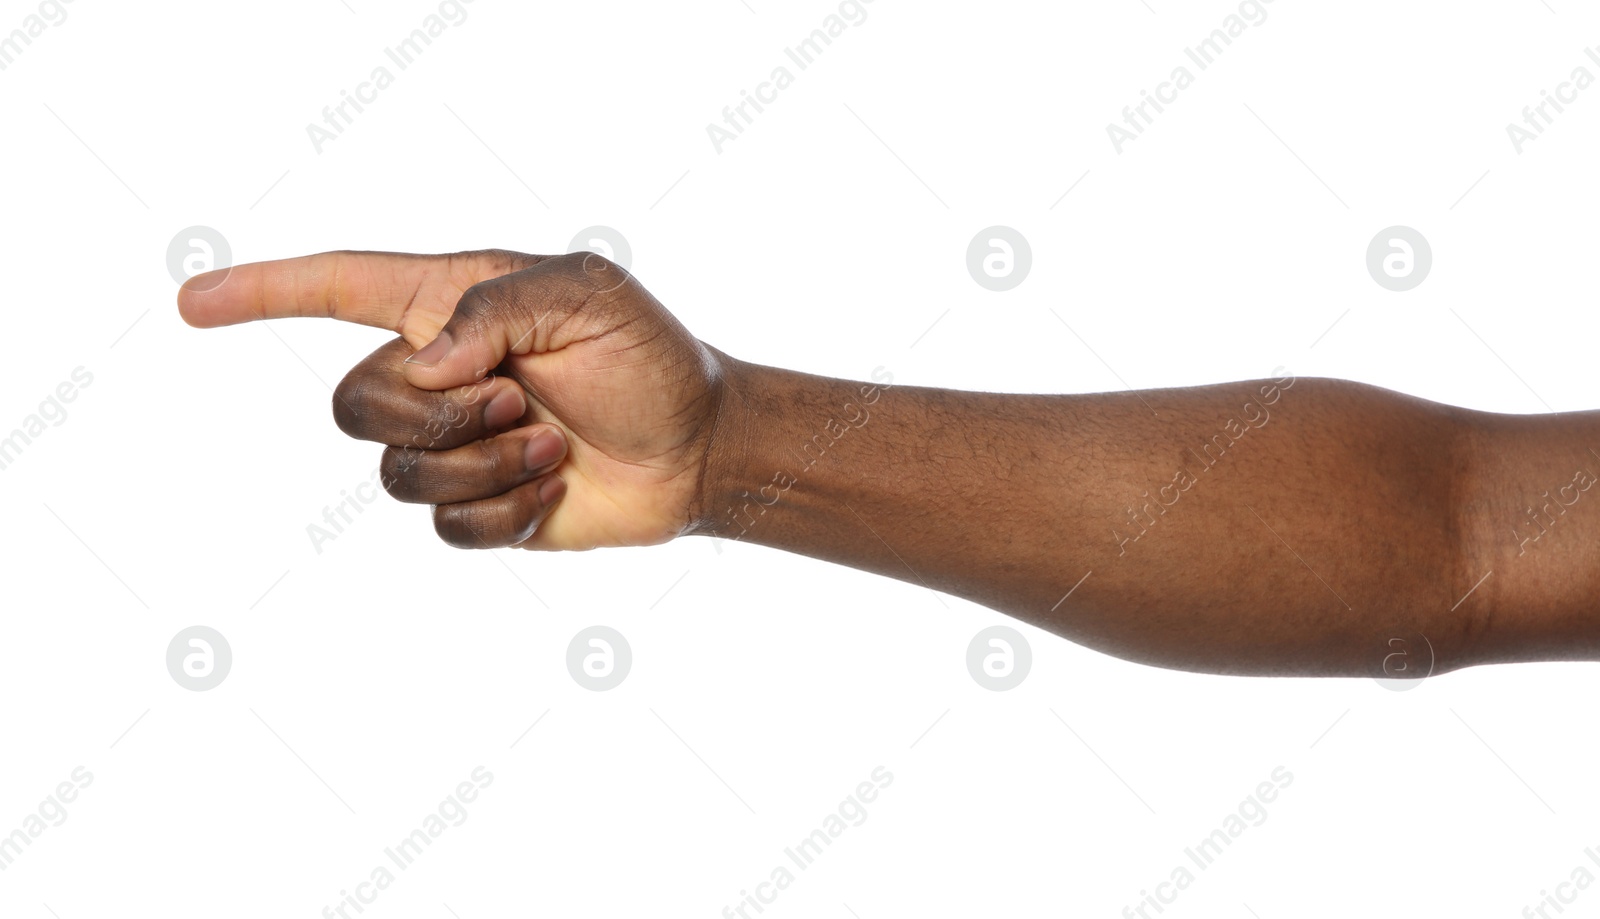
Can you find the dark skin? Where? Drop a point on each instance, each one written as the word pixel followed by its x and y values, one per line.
pixel 1280 526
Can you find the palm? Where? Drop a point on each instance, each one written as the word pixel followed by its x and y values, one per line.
pixel 631 388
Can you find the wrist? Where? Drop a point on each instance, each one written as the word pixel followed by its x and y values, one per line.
pixel 785 439
pixel 731 445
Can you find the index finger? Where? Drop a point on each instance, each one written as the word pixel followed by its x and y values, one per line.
pixel 389 290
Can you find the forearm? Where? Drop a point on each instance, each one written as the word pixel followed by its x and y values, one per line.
pixel 1530 516
pixel 1293 526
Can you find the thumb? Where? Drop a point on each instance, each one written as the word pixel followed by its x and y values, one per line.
pixel 514 314
pixel 509 315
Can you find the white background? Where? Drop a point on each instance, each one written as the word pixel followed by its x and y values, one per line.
pixel 372 677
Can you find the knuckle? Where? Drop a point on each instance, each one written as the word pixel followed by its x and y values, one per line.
pixel 353 403
pixel 478 302
pixel 491 463
pixel 594 262
pixel 440 425
pixel 510 259
pixel 480 524
pixel 482 307
pixel 398 472
pixel 454 525
pixel 595 270
pixel 477 393
pixel 583 269
pixel 572 260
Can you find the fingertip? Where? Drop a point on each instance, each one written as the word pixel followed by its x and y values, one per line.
pixel 505 407
pixel 455 357
pixel 546 446
pixel 189 308
pixel 433 352
pixel 200 298
pixel 445 374
pixel 551 490
pixel 431 374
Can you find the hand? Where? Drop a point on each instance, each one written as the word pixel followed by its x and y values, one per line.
pixel 589 351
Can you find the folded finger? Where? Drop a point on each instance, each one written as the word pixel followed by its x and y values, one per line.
pixel 504 520
pixel 481 469
pixel 374 402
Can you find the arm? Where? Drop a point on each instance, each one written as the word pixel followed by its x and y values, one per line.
pixel 1273 527
pixel 1281 526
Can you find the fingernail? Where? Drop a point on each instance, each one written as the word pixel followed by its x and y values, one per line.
pixel 507 406
pixel 433 352
pixel 543 446
pixel 552 489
